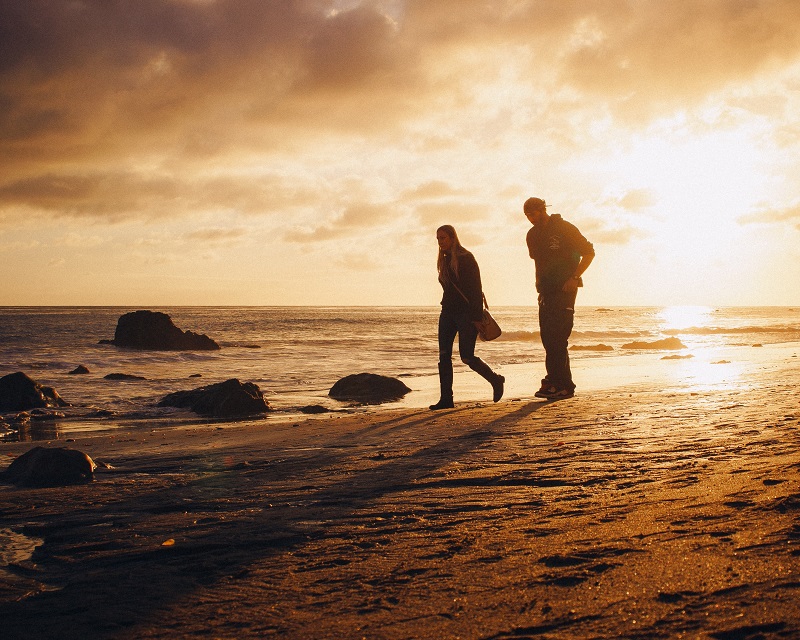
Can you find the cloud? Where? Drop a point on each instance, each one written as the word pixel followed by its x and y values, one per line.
pixel 633 200
pixel 72 68
pixel 110 196
pixel 118 196
pixel 650 58
pixel 216 235
pixel 357 262
pixel 349 48
pixel 773 216
pixel 453 212
pixel 611 230
pixel 430 190
pixel 619 235
pixel 76 240
pixel 161 108
pixel 354 219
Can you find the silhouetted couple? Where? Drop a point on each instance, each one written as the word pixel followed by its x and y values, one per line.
pixel 561 255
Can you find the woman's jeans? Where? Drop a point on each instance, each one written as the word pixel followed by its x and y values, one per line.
pixel 556 317
pixel 450 324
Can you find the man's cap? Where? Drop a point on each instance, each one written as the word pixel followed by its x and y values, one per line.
pixel 533 204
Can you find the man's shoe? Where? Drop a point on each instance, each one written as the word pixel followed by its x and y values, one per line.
pixel 546 391
pixel 561 394
pixel 551 393
pixel 444 403
pixel 497 388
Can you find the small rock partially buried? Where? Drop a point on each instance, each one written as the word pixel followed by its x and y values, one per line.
pixel 18 392
pixel 314 408
pixel 591 347
pixel 666 343
pixel 368 387
pixel 50 467
pixel 229 399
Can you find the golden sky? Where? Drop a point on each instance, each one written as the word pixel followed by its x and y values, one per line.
pixel 271 152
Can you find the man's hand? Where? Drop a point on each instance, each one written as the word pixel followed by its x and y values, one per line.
pixel 570 286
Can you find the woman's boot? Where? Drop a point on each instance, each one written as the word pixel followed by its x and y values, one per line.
pixel 445 387
pixel 497 381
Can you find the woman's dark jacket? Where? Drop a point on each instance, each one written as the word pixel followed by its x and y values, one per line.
pixel 469 281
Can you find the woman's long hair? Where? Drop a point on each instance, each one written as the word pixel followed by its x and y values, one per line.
pixel 456 250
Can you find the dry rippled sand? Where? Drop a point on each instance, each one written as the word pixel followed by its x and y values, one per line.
pixel 641 513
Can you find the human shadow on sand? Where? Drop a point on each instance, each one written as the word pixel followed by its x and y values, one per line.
pixel 103 567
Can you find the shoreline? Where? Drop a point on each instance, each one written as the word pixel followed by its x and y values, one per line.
pixel 655 511
pixel 694 369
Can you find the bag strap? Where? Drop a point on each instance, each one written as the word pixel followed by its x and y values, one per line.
pixel 483 295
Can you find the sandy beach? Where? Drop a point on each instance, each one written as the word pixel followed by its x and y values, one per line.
pixel 640 509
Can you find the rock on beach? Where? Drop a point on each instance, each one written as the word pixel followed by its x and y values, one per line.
pixel 229 399
pixel 153 330
pixel 18 392
pixel 368 387
pixel 666 343
pixel 50 467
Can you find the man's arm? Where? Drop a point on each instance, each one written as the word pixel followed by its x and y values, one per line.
pixel 587 255
pixel 583 265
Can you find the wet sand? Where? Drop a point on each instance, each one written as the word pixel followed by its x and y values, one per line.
pixel 641 510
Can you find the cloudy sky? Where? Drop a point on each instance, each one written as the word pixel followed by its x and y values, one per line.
pixel 281 152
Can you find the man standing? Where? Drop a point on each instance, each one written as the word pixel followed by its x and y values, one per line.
pixel 561 255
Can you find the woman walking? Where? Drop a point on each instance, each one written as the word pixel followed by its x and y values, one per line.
pixel 462 308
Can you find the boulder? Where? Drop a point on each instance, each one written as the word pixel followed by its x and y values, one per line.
pixel 591 347
pixel 18 392
pixel 368 387
pixel 313 409
pixel 155 331
pixel 666 343
pixel 79 370
pixel 50 467
pixel 229 399
pixel 123 376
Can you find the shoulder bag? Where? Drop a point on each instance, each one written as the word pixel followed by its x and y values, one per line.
pixel 488 329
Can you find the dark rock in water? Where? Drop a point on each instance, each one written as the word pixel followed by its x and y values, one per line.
pixel 80 369
pixel 123 376
pixel 368 387
pixel 155 331
pixel 196 375
pixel 18 392
pixel 229 399
pixel 49 467
pixel 314 408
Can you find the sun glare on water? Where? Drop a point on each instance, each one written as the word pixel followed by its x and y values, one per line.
pixel 685 317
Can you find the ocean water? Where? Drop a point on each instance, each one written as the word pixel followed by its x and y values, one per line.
pixel 295 354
